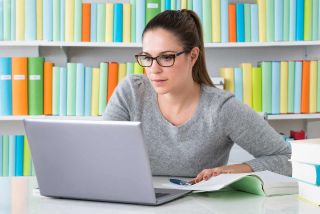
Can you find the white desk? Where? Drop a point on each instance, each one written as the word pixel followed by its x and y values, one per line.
pixel 17 196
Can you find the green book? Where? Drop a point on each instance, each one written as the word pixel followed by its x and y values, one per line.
pixel 286 19
pixel 130 68
pixel 133 20
pixel 173 4
pixel 315 19
pixel 270 20
pixel 101 22
pixel 26 158
pixel 153 7
pixel 35 85
pixel 5 155
pixel 266 87
pixel 247 22
pixel 6 20
pixel 163 4
pixel 290 87
pixel 318 88
pixel 257 89
pixel 138 69
pixel 307 19
pixel 103 87
pixel 190 5
pixel 56 21
pixel 78 20
pixel 55 91
pixel 207 21
pixel 71 88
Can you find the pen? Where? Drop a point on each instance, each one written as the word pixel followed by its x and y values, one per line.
pixel 180 182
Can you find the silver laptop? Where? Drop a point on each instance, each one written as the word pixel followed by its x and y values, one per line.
pixel 93 160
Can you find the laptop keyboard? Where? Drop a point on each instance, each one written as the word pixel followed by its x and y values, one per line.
pixel 159 194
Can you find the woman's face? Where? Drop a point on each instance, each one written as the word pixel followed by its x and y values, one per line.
pixel 160 42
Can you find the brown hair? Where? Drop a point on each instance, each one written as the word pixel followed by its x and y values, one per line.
pixel 185 24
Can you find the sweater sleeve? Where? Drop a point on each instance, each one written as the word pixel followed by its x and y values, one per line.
pixel 250 131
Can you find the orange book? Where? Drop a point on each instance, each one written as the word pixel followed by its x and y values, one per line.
pixel 47 88
pixel 305 86
pixel 232 23
pixel 112 78
pixel 86 13
pixel 19 85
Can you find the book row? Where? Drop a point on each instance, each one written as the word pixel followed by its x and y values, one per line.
pixel 75 21
pixel 276 87
pixel 31 86
pixel 15 158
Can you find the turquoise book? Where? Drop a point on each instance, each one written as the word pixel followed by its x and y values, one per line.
pixel 153 7
pixel 247 23
pixel 190 4
pixel 19 155
pixel 71 88
pixel 224 27
pixel 118 23
pixel 238 83
pixel 30 20
pixel 299 20
pixel 163 4
pixel 297 86
pixel 197 7
pixel 275 88
pixel 286 19
pixel 278 20
pixel 13 20
pixel 55 90
pixel 254 23
pixel 93 23
pixel 173 5
pixel 12 155
pixel 1 155
pixel 240 22
pixel 167 5
pixel 266 87
pixel 87 91
pixel 5 86
pixel 1 20
pixel 315 19
pixel 293 22
pixel 63 92
pixel 35 85
pixel 101 22
pixel 6 20
pixel 5 155
pixel 77 20
pixel 80 90
pixel 62 20
pixel 133 20
pixel 207 21
pixel 140 19
pixel 270 20
pixel 291 65
pixel 103 87
pixel 56 21
pixel 47 20
pixel 130 68
pixel 178 4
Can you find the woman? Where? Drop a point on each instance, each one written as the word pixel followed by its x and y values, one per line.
pixel 189 126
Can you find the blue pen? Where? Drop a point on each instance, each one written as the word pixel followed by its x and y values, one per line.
pixel 180 182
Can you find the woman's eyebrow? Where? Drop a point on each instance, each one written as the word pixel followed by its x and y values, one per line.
pixel 169 51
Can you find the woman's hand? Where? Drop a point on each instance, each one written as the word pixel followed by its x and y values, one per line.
pixel 208 173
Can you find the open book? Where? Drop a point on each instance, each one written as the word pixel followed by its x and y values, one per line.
pixel 260 183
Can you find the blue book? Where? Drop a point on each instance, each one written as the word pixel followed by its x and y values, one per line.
pixel 47 24
pixel 62 19
pixel 254 23
pixel 197 7
pixel 93 22
pixel 30 20
pixel 88 91
pixel 167 5
pixel 238 83
pixel 1 21
pixel 224 21
pixel 7 20
pixel 315 19
pixel 300 20
pixel 80 90
pixel 5 86
pixel 178 4
pixel 19 155
pixel 118 22
pixel 63 92
pixel 1 155
pixel 77 20
pixel 275 93
pixel 297 86
pixel 140 19
pixel 278 20
pixel 292 20
pixel 13 20
pixel 12 155
pixel 266 86
pixel 240 22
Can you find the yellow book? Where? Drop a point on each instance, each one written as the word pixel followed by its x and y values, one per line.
pixel 137 69
pixel 26 158
pixel 109 22
pixel 313 87
pixel 283 87
pixel 39 19
pixel 216 29
pixel 69 19
pixel 228 75
pixel 122 71
pixel 184 4
pixel 95 92
pixel 262 20
pixel 126 22
pixel 247 83
pixel 20 18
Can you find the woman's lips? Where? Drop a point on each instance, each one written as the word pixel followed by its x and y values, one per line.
pixel 159 82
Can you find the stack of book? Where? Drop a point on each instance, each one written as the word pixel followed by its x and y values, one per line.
pixel 306 168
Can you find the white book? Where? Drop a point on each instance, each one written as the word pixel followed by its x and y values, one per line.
pixel 309 192
pixel 309 173
pixel 306 151
pixel 260 183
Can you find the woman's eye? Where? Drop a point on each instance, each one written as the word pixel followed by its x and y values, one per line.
pixel 167 57
pixel 147 58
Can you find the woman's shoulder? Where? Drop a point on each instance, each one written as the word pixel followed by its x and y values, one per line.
pixel 135 83
pixel 216 95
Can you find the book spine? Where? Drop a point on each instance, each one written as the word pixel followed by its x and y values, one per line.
pixel 69 20
pixel 71 88
pixel 197 7
pixel 5 86
pixel 278 20
pixel 266 87
pixel 56 21
pixel 126 22
pixel 262 20
pixel 307 19
pixel 153 8
pixel 5 155
pixel 254 23
pixel 297 86
pixel 103 87
pixel 275 88
pixel 190 5
pixel 63 91
pixel 232 23
pixel 1 155
pixel 55 90
pixel 207 21
pixel 12 155
pixel 299 20
pixel 19 86
pixel 247 83
pixel 305 86
pixel 47 88
pixel 163 4
pixel 313 87
pixel 173 4
pixel 112 78
pixel 286 20
pixel 140 19
pixel 228 75
pixel 247 23
pixel 101 22
pixel 19 156
pixel 80 89
pixel 62 20
pixel 240 22
pixel 122 71
pixel 270 20
pixel 118 23
pixel 26 158
pixel 93 23
pixel 95 92
pixel 109 22
pixel 133 20
pixel 48 20
pixel 318 86
pixel 291 86
pixel 88 91
pixel 138 69
pixel 315 19
pixel 39 18
pixel 283 87
pixel 20 16
pixel 86 14
pixel 216 19
pixel 257 89
pixel 35 85
pixel 238 84
pixel 77 20
pixel 30 20
pixel 130 69
pixel 168 5
pixel 6 20
pixel 224 21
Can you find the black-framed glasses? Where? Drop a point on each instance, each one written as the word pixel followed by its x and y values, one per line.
pixel 164 60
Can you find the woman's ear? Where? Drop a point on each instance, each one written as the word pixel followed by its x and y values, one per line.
pixel 194 53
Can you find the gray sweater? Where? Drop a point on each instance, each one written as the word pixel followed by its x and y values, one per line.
pixel 205 140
